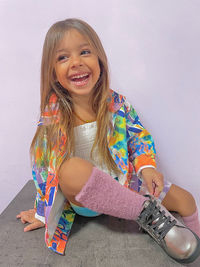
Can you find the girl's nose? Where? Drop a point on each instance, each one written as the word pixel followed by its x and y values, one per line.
pixel 76 61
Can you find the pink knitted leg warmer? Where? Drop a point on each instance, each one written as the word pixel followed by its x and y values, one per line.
pixel 192 222
pixel 104 194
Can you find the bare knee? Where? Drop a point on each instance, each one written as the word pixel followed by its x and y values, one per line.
pixel 73 174
pixel 180 200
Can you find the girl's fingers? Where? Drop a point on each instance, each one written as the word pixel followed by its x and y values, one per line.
pixel 20 214
pixel 158 188
pixel 159 183
pixel 23 221
pixel 153 180
pixel 30 227
pixel 33 226
pixel 157 192
pixel 24 218
pixel 150 187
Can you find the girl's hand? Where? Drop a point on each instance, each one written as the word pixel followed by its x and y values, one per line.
pixel 28 216
pixel 153 180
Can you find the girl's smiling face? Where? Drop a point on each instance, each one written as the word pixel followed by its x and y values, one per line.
pixel 77 66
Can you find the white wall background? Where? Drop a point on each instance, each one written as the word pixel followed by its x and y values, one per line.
pixel 153 50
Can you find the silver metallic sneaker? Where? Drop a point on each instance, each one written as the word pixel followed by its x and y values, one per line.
pixel 178 241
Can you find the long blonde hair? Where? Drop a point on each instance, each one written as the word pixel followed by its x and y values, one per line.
pixel 65 124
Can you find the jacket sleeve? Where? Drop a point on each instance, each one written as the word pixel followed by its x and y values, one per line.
pixel 39 177
pixel 40 165
pixel 40 173
pixel 141 147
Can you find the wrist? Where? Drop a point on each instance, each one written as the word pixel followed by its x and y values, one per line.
pixel 143 168
pixel 146 169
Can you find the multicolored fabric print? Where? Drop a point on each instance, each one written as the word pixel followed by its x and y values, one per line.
pixel 130 145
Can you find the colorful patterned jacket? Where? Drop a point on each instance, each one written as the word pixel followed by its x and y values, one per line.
pixel 130 145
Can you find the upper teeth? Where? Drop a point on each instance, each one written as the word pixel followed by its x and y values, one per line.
pixel 79 76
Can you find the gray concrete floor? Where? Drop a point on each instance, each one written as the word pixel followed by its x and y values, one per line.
pixel 103 241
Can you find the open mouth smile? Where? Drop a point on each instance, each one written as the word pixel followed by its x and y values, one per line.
pixel 80 79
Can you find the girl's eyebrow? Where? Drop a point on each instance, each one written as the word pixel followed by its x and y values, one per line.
pixel 85 44
pixel 80 46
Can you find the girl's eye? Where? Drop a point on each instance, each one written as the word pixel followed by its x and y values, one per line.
pixel 85 52
pixel 60 58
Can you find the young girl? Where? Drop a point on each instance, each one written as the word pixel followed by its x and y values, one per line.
pixel 91 154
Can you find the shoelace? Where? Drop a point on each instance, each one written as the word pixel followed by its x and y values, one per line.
pixel 156 221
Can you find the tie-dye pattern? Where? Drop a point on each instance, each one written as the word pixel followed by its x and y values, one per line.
pixel 130 145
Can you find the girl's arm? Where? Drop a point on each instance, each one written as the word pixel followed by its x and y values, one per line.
pixel 36 216
pixel 40 172
pixel 142 152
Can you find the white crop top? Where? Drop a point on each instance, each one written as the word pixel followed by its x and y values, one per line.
pixel 84 139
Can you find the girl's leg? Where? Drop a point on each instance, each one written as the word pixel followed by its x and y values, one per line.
pixel 103 193
pixel 73 174
pixel 80 181
pixel 179 200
